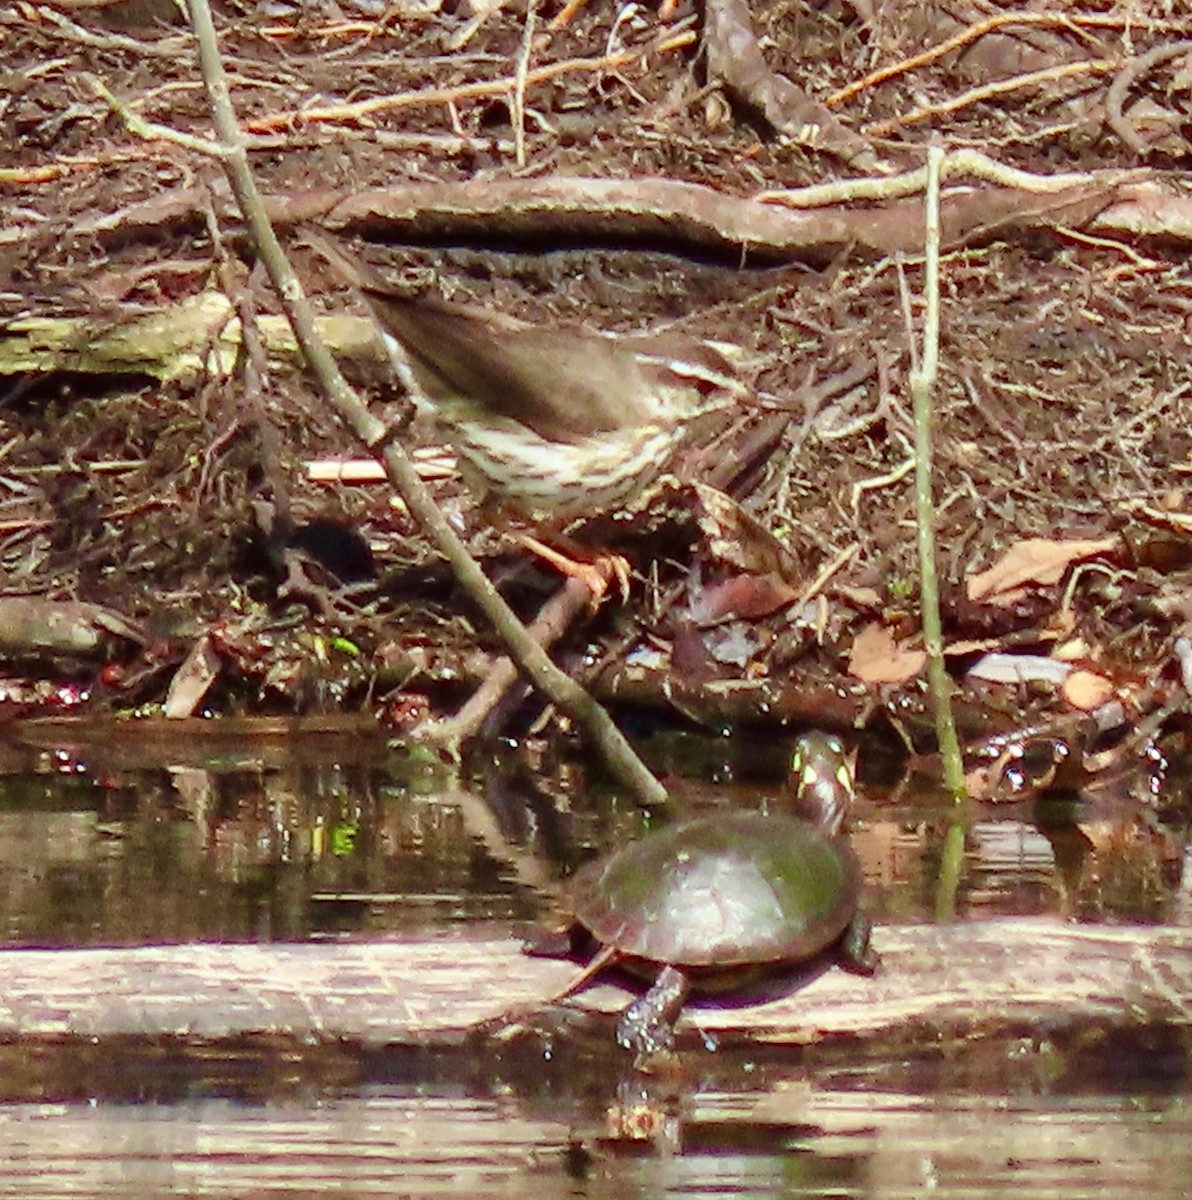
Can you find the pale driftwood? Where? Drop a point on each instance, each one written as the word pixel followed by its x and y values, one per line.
pixel 937 982
pixel 179 342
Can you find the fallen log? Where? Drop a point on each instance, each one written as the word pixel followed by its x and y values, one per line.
pixel 937 982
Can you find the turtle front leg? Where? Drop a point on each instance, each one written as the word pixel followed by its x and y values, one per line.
pixel 648 1025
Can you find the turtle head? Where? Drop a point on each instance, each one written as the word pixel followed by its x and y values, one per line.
pixel 822 771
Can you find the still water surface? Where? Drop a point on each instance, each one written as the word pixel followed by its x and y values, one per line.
pixel 425 1145
pixel 104 844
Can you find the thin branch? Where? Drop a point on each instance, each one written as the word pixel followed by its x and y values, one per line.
pixel 959 164
pixel 1115 98
pixel 922 383
pixel 479 90
pixel 152 132
pixel 989 91
pixel 966 37
pixel 518 99
pixel 595 722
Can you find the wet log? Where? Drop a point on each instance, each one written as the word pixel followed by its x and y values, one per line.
pixel 937 982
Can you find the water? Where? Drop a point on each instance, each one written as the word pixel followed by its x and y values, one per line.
pixel 812 1143
pixel 108 841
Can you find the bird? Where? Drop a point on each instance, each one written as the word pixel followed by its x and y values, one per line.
pixel 552 422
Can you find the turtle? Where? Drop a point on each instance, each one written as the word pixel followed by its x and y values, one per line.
pixel 719 901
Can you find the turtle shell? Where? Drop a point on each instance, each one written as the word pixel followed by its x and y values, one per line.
pixel 722 891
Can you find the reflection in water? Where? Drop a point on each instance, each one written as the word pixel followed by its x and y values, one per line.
pixel 846 1144
pixel 299 847
pixel 289 853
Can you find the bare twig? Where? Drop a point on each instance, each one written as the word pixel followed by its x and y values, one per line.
pixel 989 91
pixel 150 131
pixel 667 41
pixel 966 37
pixel 959 164
pixel 922 382
pixel 570 602
pixel 595 722
pixel 518 101
pixel 172 47
pixel 1115 98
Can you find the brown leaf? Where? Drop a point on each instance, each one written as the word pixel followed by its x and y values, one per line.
pixel 877 658
pixel 1087 690
pixel 740 539
pixel 749 597
pixel 1035 561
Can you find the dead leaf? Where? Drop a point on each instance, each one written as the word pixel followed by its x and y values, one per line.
pixel 877 658
pixel 1086 690
pixel 1040 562
pixel 734 57
pixel 858 597
pixel 193 679
pixel 748 597
pixel 1019 668
pixel 739 538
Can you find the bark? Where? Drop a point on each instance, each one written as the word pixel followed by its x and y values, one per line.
pixel 937 983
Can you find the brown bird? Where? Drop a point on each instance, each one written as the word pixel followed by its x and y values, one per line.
pixel 554 422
